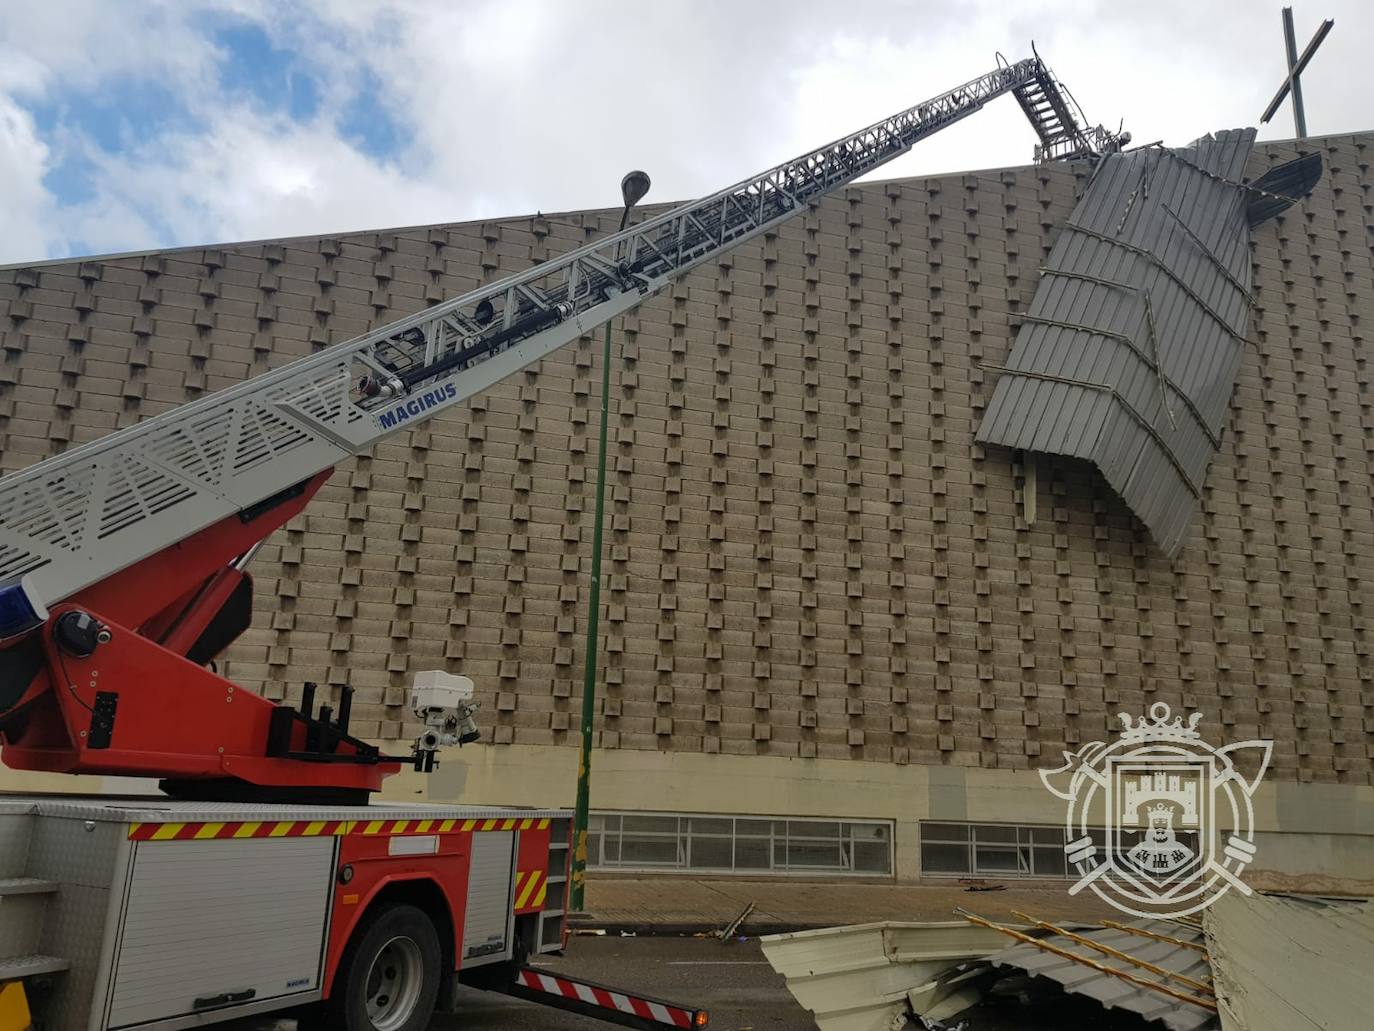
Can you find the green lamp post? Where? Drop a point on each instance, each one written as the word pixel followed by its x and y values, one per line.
pixel 632 190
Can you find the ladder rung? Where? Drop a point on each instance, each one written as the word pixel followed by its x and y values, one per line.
pixel 16 967
pixel 25 886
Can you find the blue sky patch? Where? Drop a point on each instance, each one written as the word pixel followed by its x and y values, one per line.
pixel 122 114
pixel 128 112
pixel 72 177
pixel 366 124
pixel 271 76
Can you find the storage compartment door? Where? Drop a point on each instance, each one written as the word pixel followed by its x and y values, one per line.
pixel 209 922
pixel 487 921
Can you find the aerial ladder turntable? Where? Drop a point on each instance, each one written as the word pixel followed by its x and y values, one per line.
pixel 124 573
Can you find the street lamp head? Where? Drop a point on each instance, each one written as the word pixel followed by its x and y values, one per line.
pixel 633 187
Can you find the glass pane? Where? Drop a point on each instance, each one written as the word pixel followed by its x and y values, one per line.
pixel 1048 836
pixel 866 831
pixel 649 851
pixel 754 827
pixel 808 829
pixel 944 832
pixel 872 857
pixel 606 821
pixel 657 824
pixel 708 825
pixel 992 832
pixel 610 851
pixel 709 854
pixel 1049 862
pixel 937 858
pixel 996 860
pixel 593 848
pixel 814 855
pixel 1099 837
pixel 751 854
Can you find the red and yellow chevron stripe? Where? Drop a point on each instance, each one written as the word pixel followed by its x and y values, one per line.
pixel 206 831
pixel 530 888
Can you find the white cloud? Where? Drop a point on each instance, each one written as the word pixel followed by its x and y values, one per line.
pixel 78 44
pixel 47 51
pixel 514 105
pixel 28 208
pixel 545 104
pixel 254 176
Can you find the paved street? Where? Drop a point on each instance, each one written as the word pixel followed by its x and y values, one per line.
pixel 732 980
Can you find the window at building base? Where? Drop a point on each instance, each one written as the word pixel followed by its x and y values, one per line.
pixel 1006 850
pixel 739 844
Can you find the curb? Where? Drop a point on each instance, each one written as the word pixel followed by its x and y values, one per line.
pixel 680 930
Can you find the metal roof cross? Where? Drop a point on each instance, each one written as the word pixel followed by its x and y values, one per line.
pixel 1295 68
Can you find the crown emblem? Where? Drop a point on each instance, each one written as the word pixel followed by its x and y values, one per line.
pixel 1159 727
pixel 1161 809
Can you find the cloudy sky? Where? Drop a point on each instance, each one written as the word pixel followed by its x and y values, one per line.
pixel 128 124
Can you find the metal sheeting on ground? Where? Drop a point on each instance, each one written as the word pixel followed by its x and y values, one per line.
pixel 857 978
pixel 1291 964
pixel 1129 353
pixel 1118 993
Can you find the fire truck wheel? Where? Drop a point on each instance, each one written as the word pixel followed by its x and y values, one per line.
pixel 389 977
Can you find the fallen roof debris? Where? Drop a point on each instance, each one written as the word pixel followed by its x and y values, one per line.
pixel 728 931
pixel 1118 968
pixel 857 978
pixel 1290 963
pixel 978 884
pixel 1282 963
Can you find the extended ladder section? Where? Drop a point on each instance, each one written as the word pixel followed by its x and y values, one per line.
pixel 1061 137
pixel 74 520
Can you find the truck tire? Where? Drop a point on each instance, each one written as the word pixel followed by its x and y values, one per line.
pixel 390 974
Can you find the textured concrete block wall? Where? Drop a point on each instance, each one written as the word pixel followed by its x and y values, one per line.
pixel 807 554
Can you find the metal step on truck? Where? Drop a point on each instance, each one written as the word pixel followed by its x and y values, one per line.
pixel 266 880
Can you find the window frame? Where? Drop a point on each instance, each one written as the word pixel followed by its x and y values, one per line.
pixel 1025 841
pixel 784 843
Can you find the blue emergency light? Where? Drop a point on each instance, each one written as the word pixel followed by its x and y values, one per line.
pixel 20 609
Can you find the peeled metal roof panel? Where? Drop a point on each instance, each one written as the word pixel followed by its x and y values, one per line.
pixel 1291 180
pixel 1291 964
pixel 1115 992
pixel 856 978
pixel 1130 349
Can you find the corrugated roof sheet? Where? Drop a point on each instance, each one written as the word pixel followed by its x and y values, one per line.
pixel 856 978
pixel 1129 353
pixel 1115 992
pixel 1290 964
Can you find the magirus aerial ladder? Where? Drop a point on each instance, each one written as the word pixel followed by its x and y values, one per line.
pixel 123 573
pixel 129 554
